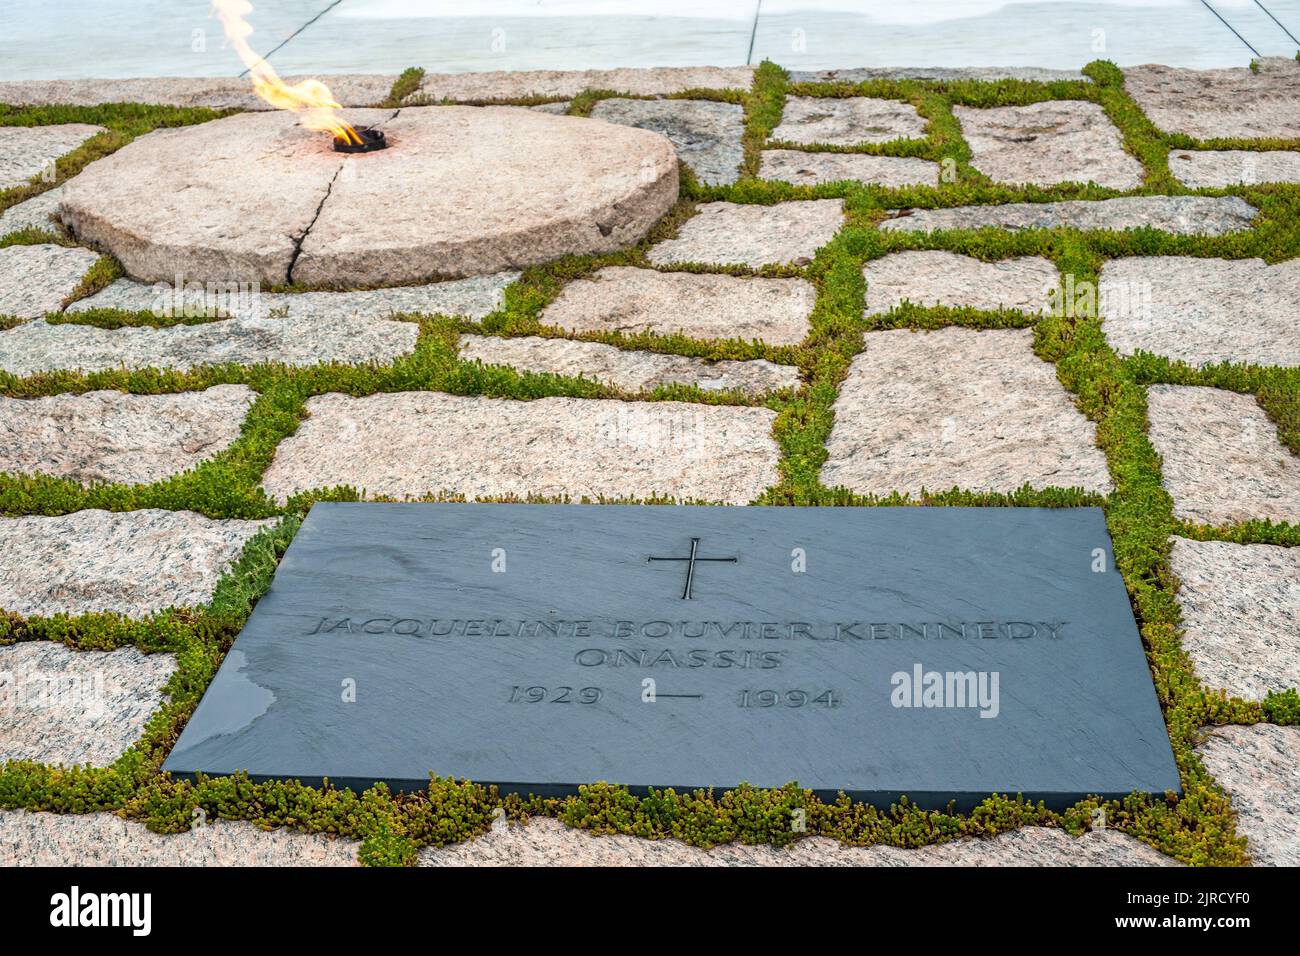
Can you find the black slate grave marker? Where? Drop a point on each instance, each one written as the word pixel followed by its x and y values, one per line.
pixel 942 653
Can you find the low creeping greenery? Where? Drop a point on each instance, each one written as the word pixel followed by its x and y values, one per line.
pixel 1197 827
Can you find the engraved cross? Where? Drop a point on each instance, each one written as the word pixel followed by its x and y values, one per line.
pixel 690 560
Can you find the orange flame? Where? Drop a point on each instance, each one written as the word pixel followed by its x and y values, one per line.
pixel 311 98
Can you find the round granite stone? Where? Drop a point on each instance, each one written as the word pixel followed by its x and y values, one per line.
pixel 459 191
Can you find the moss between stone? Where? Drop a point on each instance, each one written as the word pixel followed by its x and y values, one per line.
pixel 1198 828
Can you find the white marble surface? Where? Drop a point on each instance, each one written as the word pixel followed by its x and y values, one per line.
pixel 82 38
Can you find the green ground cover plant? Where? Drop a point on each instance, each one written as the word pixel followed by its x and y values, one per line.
pixel 1197 827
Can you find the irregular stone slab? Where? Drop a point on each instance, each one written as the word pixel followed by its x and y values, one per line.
pixel 705 133
pixel 1181 215
pixel 1215 169
pixel 547 842
pixel 725 233
pixel 27 150
pixel 958 408
pixel 36 279
pixel 934 277
pixel 559 109
pixel 1258 766
pixel 808 169
pixel 1202 311
pixel 1236 102
pixel 471 298
pixel 255 197
pixel 215 92
pixel 941 74
pixel 511 85
pixel 1223 462
pixel 32 213
pixel 847 121
pixel 1239 603
pixel 704 306
pixel 409 444
pixel 632 371
pixel 60 706
pixel 132 562
pixel 111 436
pixel 41 347
pixel 1055 141
pixel 102 839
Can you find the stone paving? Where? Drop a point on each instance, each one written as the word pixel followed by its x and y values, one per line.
pixel 621 299
pixel 34 213
pixel 1222 460
pixel 1217 168
pixel 101 839
pixel 410 444
pixel 971 408
pixel 110 436
pixel 724 233
pixel 133 563
pixel 629 370
pixel 1180 215
pixel 1203 311
pixel 40 346
pixel 803 168
pixel 546 842
pixel 1239 603
pixel 935 277
pixel 471 298
pixel 852 121
pixel 36 279
pixel 27 152
pixel 706 134
pixel 1210 104
pixel 958 408
pixel 1047 143
pixel 61 706
pixel 1259 766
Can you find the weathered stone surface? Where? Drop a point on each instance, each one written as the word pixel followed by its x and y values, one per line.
pixel 42 347
pixel 1259 766
pixel 807 169
pixel 934 277
pixel 705 133
pixel 60 706
pixel 1221 103
pixel 36 279
pixel 411 443
pixel 1182 215
pixel 546 842
pixel 1215 168
pixel 216 92
pixel 1202 311
pixel 507 85
pixel 1239 605
pixel 102 839
pixel 32 213
pixel 633 371
pixel 726 233
pixel 1054 141
pixel 26 150
pixel 623 299
pixel 460 191
pixel 1223 462
pixel 958 408
pixel 559 108
pixel 111 436
pixel 1032 74
pixel 471 298
pixel 848 121
pixel 133 562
